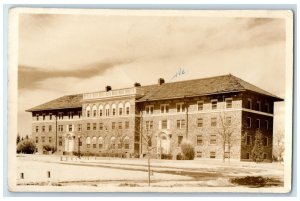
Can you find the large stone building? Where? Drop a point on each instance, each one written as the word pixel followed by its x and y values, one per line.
pixel 126 120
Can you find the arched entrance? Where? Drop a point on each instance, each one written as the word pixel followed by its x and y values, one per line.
pixel 163 142
pixel 69 142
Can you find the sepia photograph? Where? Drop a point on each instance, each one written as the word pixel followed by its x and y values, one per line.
pixel 104 100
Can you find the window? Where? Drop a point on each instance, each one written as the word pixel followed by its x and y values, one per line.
pixel 94 113
pixel 79 114
pixel 258 105
pixel 100 126
pixel 266 141
pixel 120 111
pixel 126 142
pixel 36 139
pixel 60 128
pixel 228 102
pixel 107 110
pixel 212 154
pixel 120 125
pixel 149 109
pixel 44 116
pixel 80 142
pixel 213 122
pixel 180 138
pixel 36 129
pixel 248 140
pixel 60 141
pixel 60 115
pixel 200 122
pixel 114 111
pixel 37 117
pixel 88 126
pixel 88 113
pixel 43 139
pixel 265 156
pixel 267 107
pixel 213 139
pixel 180 107
pixel 249 122
pixel 267 124
pixel 200 105
pixel 100 142
pixel 199 140
pixel 214 104
pixel 257 123
pixel 226 154
pixel 79 127
pixel 126 124
pixel 50 128
pixel 228 121
pixel 181 123
pixel 94 126
pixel 127 108
pixel 100 110
pixel 113 125
pixel 50 139
pixel 199 154
pixel 164 124
pixel 247 155
pixel 88 142
pixel 149 125
pixel 94 141
pixel 70 128
pixel 70 114
pixel 43 128
pixel 50 116
pixel 164 109
pixel 249 104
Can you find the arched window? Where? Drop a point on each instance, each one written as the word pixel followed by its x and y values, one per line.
pixel 88 142
pixel 107 110
pixel 113 142
pixel 120 108
pixel 126 142
pixel 127 108
pixel 94 109
pixel 101 110
pixel 114 108
pixel 88 111
pixel 100 142
pixel 94 140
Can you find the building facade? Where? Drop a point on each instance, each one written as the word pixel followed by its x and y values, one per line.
pixel 218 115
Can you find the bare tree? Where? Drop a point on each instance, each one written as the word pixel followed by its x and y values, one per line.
pixel 120 139
pixel 279 145
pixel 226 130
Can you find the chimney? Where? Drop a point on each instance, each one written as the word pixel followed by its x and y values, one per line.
pixel 108 88
pixel 161 81
pixel 136 84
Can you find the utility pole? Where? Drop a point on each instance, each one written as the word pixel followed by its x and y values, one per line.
pixel 79 138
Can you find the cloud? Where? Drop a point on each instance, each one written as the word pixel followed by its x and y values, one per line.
pixel 29 77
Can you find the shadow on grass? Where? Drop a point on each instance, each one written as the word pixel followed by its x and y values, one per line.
pixel 256 181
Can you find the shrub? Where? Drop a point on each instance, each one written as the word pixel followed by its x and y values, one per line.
pixel 26 146
pixel 187 150
pixel 257 151
pixel 48 148
pixel 166 156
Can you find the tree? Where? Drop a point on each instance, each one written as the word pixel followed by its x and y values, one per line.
pixel 226 130
pixel 120 138
pixel 26 147
pixel 257 151
pixel 187 150
pixel 18 138
pixel 279 145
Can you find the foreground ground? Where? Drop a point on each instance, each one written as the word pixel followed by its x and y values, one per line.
pixel 105 173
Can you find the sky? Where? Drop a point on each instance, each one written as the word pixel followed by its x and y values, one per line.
pixel 63 54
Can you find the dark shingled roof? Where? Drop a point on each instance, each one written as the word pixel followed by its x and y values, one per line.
pixel 69 101
pixel 200 87
pixel 189 88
